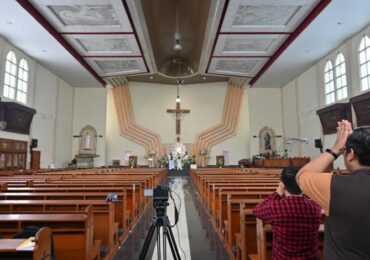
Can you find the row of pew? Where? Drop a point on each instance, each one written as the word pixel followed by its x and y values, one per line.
pixel 229 196
pixel 73 204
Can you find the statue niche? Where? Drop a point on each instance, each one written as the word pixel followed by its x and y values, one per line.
pixel 267 142
pixel 88 140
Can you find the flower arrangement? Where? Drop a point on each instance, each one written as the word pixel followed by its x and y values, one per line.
pixel 163 162
pixel 220 162
pixel 190 160
pixel 150 155
pixel 131 162
pixel 203 152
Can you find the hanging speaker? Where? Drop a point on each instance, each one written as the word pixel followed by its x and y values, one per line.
pixel 34 143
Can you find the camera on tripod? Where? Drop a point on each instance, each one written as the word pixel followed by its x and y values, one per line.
pixel 160 222
pixel 160 200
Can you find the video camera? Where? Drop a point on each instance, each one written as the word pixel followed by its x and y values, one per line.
pixel 160 199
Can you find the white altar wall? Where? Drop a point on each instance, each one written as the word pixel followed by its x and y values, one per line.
pixel 205 101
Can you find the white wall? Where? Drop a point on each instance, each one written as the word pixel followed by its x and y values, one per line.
pixel 309 89
pixel 150 102
pixel 43 123
pixel 52 98
pixel 290 119
pixel 89 108
pixel 63 131
pixel 265 109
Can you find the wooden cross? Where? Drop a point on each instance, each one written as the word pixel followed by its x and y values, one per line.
pixel 178 112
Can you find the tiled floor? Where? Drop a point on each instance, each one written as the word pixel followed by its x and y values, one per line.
pixel 194 234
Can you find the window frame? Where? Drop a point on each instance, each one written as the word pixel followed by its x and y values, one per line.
pixel 27 93
pixel 340 67
pixel 366 63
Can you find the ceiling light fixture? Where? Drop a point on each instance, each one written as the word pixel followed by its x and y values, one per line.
pixel 179 82
pixel 177 46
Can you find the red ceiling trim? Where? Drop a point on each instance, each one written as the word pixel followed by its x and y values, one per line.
pixel 97 33
pixel 240 56
pixel 135 32
pixel 226 4
pixel 314 13
pixel 113 56
pixel 255 33
pixel 38 17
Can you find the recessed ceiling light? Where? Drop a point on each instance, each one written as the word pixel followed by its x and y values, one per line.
pixel 44 51
pixel 204 78
pixel 9 22
pixel 151 77
pixel 339 23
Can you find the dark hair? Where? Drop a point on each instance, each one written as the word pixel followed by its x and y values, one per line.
pixel 359 142
pixel 288 179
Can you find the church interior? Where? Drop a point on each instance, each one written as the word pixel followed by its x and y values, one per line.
pixel 104 100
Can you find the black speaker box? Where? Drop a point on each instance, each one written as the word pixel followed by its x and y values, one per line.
pixel 34 143
pixel 318 143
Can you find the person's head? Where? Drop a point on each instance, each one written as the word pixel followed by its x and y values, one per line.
pixel 357 152
pixel 288 179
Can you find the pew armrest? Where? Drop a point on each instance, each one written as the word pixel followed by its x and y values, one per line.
pixel 95 252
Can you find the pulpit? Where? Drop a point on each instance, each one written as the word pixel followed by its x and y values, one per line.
pixel 36 156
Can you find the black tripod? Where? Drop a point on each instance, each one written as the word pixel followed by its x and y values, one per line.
pixel 161 220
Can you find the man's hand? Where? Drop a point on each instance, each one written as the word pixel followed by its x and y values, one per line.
pixel 280 189
pixel 344 129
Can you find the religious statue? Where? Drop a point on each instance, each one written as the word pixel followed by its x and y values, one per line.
pixel 267 138
pixel 267 142
pixel 87 141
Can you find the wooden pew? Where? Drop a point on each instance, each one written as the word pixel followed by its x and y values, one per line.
pixel 131 208
pixel 25 248
pixel 121 215
pixel 232 224
pixel 72 233
pixel 104 227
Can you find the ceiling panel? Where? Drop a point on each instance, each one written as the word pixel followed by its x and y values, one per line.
pixel 117 66
pixel 246 67
pixel 265 16
pixel 236 44
pixel 100 31
pixel 252 32
pixel 85 16
pixel 88 45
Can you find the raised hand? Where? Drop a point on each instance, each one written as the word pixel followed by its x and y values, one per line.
pixel 344 129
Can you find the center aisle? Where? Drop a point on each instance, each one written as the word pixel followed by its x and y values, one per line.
pixel 194 234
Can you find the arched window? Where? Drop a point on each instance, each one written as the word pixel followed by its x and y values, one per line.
pixel 364 58
pixel 10 75
pixel 22 86
pixel 340 77
pixel 329 83
pixel 16 78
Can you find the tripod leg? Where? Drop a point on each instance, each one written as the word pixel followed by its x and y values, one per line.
pixel 159 243
pixel 164 245
pixel 147 241
pixel 172 242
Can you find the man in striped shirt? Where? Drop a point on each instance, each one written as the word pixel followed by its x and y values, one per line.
pixel 295 220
